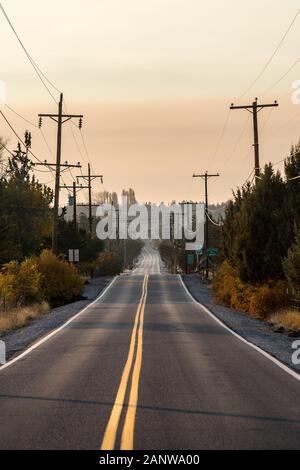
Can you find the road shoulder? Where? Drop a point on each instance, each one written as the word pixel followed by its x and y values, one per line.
pixel 260 333
pixel 18 340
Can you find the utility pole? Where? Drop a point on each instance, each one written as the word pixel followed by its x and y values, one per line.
pixel 206 176
pixel 75 190
pixel 60 119
pixel 62 167
pixel 74 206
pixel 254 109
pixel 89 178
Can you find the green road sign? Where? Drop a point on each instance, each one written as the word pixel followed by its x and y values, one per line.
pixel 212 251
pixel 190 259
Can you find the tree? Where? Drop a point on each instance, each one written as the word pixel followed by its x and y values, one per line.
pixel 2 165
pixel 252 236
pixel 291 263
pixel 80 239
pixel 60 281
pixel 104 197
pixel 173 253
pixel 133 249
pixel 130 194
pixel 292 196
pixel 108 263
pixel 25 214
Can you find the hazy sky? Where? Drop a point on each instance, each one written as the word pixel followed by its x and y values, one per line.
pixel 154 80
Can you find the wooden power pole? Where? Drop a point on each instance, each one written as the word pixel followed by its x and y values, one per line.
pixel 254 108
pixel 75 189
pixel 89 178
pixel 60 119
pixel 206 176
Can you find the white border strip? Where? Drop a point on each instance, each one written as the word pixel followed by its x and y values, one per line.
pixel 45 338
pixel 261 351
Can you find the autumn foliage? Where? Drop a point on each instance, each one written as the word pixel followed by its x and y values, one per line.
pixel 60 281
pixel 259 300
pixel 37 279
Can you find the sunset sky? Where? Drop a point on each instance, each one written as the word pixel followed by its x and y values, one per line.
pixel 154 80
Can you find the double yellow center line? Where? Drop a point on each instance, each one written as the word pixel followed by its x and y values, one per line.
pixel 127 437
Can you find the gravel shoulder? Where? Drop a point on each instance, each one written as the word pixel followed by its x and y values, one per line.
pixel 18 340
pixel 258 332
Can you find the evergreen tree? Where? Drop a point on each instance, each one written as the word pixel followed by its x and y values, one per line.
pixel 25 214
pixel 291 264
pixel 292 196
pixel 252 235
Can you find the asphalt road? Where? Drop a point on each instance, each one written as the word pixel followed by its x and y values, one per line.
pixel 146 368
pixel 148 262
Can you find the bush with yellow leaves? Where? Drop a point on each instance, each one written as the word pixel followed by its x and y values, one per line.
pixel 268 298
pixel 20 283
pixel 60 281
pixel 259 301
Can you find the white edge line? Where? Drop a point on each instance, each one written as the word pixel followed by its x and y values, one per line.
pixel 45 338
pixel 261 351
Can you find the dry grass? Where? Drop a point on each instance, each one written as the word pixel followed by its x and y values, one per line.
pixel 18 317
pixel 288 319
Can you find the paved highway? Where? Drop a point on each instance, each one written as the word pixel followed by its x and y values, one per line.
pixel 145 367
pixel 148 262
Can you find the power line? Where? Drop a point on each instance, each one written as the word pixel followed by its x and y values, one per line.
pixel 238 168
pixel 42 171
pixel 85 148
pixel 20 115
pixel 247 179
pixel 33 125
pixel 60 119
pixel 281 78
pixel 42 78
pixel 36 68
pixel 212 221
pixel 18 137
pixel 254 108
pixel 220 137
pixel 284 159
pixel 82 154
pixel 40 75
pixel 234 148
pixel 206 176
pixel 4 146
pixel 272 56
pixel 89 178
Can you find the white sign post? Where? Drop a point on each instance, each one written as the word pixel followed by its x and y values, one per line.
pixel 73 256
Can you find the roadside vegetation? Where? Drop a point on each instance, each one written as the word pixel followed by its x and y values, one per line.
pixel 261 246
pixel 32 278
pixel 21 316
pixel 287 319
pixel 30 287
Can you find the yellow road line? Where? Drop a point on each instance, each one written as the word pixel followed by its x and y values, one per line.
pixel 109 438
pixel 128 429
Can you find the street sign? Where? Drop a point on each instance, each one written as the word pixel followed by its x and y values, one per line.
pixel 73 256
pixel 198 249
pixel 212 251
pixel 190 259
